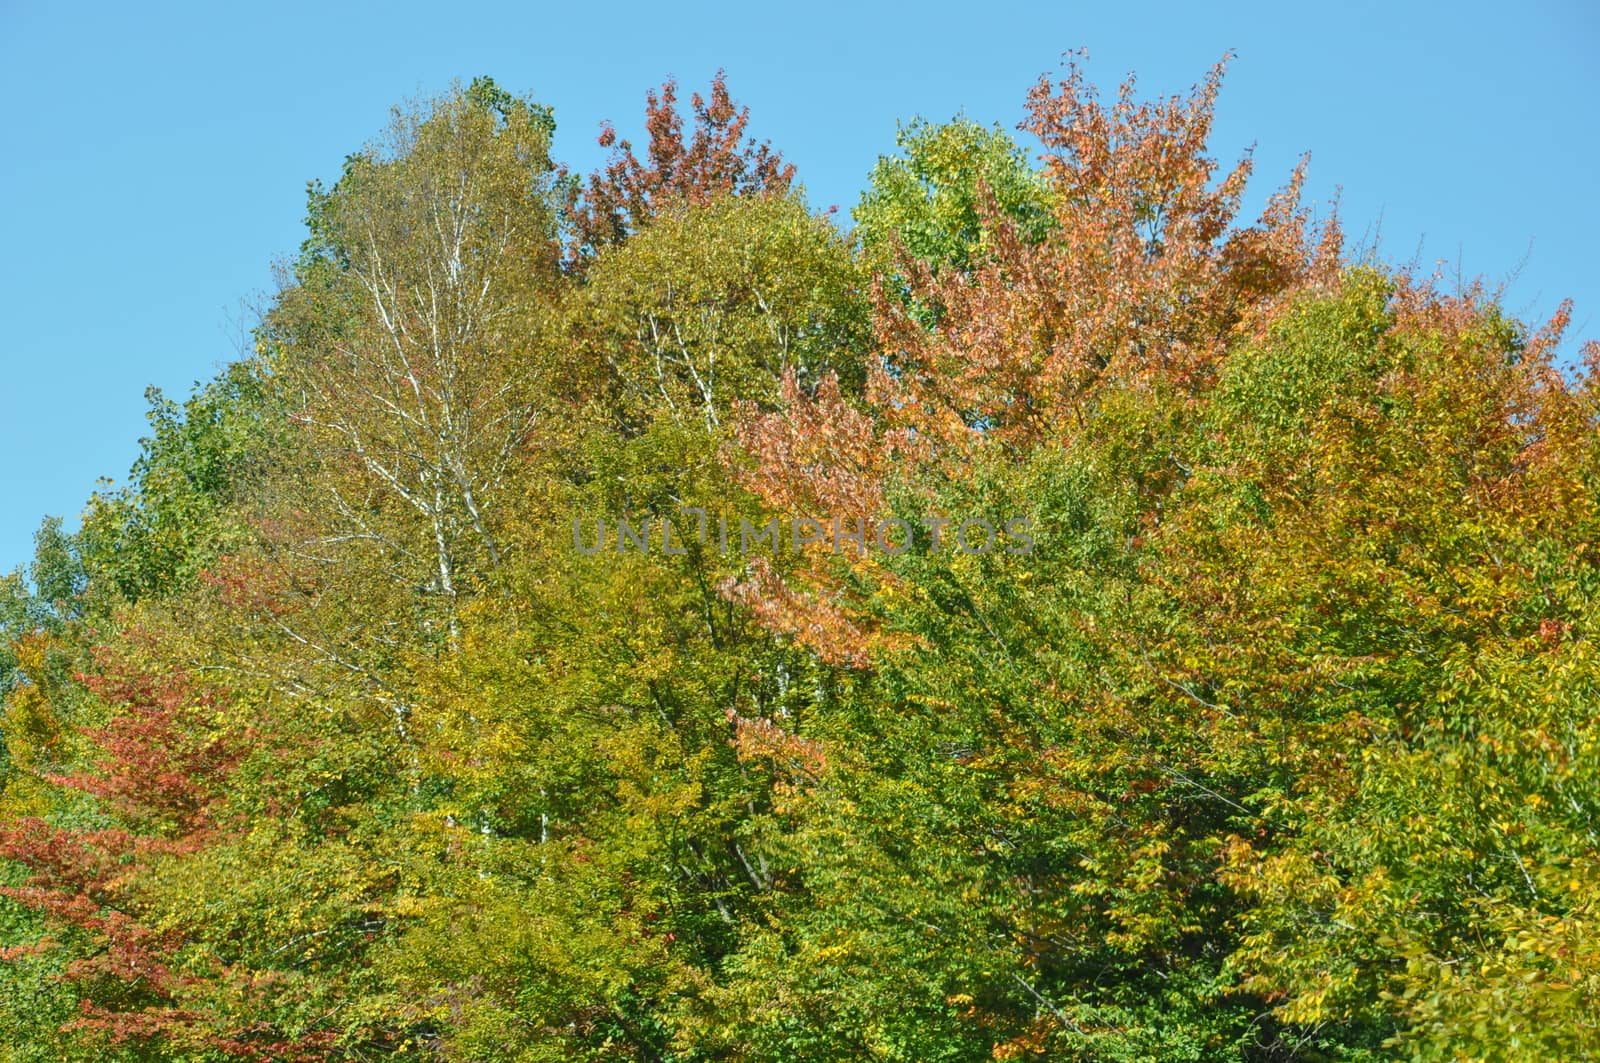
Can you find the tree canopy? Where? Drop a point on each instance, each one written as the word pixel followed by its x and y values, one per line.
pixel 1227 692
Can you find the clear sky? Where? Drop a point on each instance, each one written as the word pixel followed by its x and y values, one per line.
pixel 154 156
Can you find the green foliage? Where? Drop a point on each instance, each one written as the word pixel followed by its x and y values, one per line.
pixel 708 305
pixel 177 513
pixel 324 739
pixel 933 197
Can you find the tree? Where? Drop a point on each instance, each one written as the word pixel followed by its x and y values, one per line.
pixel 1271 736
pixel 717 160
pixel 931 201
pixel 1141 282
pixel 411 342
pixel 177 512
pixel 718 302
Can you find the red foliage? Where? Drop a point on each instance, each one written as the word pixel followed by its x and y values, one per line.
pixel 843 454
pixel 1144 281
pixel 1144 277
pixel 249 585
pixel 160 776
pixel 716 160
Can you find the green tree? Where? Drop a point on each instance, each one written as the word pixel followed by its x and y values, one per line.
pixel 938 200
pixel 714 304
pixel 178 511
pixel 410 341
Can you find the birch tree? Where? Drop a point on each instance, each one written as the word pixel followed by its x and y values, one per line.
pixel 716 303
pixel 412 328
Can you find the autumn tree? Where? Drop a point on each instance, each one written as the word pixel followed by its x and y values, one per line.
pixel 1141 282
pixel 717 303
pixel 410 338
pixel 356 726
pixel 717 158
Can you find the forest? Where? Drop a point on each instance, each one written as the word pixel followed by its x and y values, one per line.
pixel 1266 731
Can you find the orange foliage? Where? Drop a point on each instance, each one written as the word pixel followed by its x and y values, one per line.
pixel 1144 279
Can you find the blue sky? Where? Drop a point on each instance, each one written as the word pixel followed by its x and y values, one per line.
pixel 155 156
